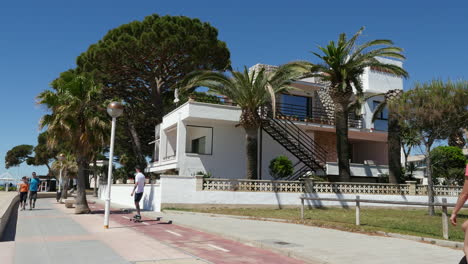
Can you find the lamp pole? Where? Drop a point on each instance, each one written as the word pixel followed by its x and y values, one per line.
pixel 114 109
pixel 61 157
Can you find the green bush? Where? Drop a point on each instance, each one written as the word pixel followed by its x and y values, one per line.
pixel 281 167
pixel 448 163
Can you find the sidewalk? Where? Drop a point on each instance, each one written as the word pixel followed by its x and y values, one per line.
pixel 53 234
pixel 320 245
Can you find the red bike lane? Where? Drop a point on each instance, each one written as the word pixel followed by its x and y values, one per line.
pixel 200 244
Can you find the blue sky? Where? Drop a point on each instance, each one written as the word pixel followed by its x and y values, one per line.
pixel 40 39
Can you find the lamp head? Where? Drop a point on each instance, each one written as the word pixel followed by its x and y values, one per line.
pixel 61 157
pixel 115 109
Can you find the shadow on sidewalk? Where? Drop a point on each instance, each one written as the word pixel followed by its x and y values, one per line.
pixel 9 233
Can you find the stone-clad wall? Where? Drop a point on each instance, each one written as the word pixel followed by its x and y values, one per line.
pixel 327 141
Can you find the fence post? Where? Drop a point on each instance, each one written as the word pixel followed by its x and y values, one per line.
pixel 309 185
pixel 302 208
pixel 358 211
pixel 412 187
pixel 444 219
pixel 199 183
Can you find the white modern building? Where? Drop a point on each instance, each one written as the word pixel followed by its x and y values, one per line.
pixel 200 137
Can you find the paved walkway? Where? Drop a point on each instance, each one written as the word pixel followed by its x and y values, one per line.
pixel 53 234
pixel 320 245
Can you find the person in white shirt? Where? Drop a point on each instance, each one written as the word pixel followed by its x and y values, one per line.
pixel 138 190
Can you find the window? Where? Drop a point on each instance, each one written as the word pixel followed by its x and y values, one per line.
pixel 293 105
pixel 199 140
pixel 381 122
pixel 383 115
pixel 198 145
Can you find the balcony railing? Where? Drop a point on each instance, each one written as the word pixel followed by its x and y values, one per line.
pixel 313 115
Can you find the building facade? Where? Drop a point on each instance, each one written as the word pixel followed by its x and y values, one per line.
pixel 200 137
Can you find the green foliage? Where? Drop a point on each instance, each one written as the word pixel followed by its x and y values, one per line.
pixel 281 167
pixel 206 175
pixel 342 64
pixel 18 155
pixel 76 117
pixel 436 109
pixel 448 163
pixel 201 97
pixel 140 62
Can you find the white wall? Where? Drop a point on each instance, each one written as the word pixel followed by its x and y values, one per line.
pixel 180 190
pixel 228 157
pixel 120 194
pixel 357 170
pixel 368 111
pixel 380 82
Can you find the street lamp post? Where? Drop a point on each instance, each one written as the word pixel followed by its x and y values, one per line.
pixel 60 157
pixel 114 109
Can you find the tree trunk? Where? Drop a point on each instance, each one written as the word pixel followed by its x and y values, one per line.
pixel 81 204
pixel 252 152
pixel 430 184
pixel 342 142
pixel 87 181
pixel 64 183
pixel 95 194
pixel 136 144
pixel 394 149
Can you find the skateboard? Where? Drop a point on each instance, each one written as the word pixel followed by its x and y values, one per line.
pixel 137 219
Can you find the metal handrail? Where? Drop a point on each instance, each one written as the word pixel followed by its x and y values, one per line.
pixel 302 139
pixel 305 113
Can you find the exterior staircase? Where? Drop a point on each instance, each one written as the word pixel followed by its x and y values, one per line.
pixel 296 141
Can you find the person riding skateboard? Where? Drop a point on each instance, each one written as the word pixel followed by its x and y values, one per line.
pixel 138 191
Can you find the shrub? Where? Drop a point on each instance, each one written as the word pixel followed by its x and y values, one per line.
pixel 280 167
pixel 448 163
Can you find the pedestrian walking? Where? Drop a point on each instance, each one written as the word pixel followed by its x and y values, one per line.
pixel 453 219
pixel 34 184
pixel 138 191
pixel 23 190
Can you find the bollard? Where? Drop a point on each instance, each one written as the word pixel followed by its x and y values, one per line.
pixel 358 211
pixel 302 208
pixel 445 219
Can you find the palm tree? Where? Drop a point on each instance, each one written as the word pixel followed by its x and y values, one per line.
pixel 69 168
pixel 341 67
pixel 394 132
pixel 75 118
pixel 250 91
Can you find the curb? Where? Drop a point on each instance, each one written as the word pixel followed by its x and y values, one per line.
pixel 433 241
pixel 6 215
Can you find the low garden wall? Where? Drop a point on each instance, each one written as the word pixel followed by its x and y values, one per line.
pixel 189 192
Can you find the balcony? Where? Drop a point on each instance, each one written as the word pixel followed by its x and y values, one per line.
pixel 314 115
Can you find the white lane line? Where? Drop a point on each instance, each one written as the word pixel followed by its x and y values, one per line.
pixel 126 217
pixel 174 233
pixel 218 248
pixel 145 223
